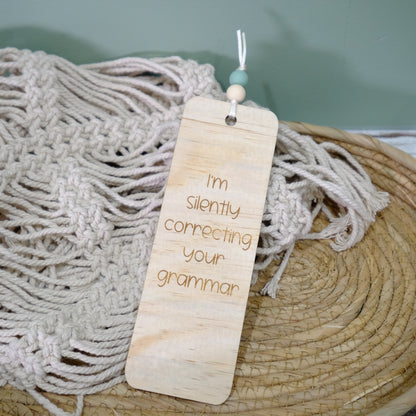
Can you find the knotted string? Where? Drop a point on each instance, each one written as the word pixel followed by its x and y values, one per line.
pixel 84 158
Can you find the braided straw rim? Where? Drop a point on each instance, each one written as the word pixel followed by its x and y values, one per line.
pixel 361 140
pixel 403 403
pixel 333 372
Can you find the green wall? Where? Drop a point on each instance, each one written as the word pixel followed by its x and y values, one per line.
pixel 345 63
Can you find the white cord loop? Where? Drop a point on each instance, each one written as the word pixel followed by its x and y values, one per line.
pixel 242 50
pixel 236 92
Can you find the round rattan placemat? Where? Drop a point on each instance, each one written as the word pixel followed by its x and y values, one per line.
pixel 339 339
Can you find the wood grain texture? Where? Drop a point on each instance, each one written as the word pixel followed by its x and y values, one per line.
pixel 188 329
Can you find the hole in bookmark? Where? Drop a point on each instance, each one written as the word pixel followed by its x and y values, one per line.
pixel 230 120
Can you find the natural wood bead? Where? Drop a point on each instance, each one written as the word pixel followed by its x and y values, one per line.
pixel 236 92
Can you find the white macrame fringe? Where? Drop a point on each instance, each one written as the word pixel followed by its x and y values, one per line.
pixel 84 157
pixel 305 176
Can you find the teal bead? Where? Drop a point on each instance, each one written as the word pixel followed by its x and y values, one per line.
pixel 239 77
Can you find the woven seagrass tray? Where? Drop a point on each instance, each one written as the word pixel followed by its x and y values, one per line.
pixel 339 339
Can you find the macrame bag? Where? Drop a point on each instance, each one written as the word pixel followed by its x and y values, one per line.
pixel 84 157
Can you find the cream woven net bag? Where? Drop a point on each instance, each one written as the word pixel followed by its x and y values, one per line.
pixel 84 156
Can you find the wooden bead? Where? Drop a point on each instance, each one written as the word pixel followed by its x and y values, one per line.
pixel 236 92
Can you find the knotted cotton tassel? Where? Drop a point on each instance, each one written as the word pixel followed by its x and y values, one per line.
pixel 305 176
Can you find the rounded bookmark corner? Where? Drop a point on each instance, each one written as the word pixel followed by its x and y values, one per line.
pixel 197 100
pixel 129 374
pixel 222 398
pixel 273 119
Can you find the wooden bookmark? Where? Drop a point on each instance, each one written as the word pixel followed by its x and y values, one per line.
pixel 190 318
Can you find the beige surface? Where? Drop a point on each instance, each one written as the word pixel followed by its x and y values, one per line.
pixel 191 313
pixel 340 339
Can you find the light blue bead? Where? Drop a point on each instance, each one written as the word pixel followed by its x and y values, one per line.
pixel 239 77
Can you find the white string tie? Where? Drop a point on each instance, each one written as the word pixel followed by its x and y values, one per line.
pixel 242 50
